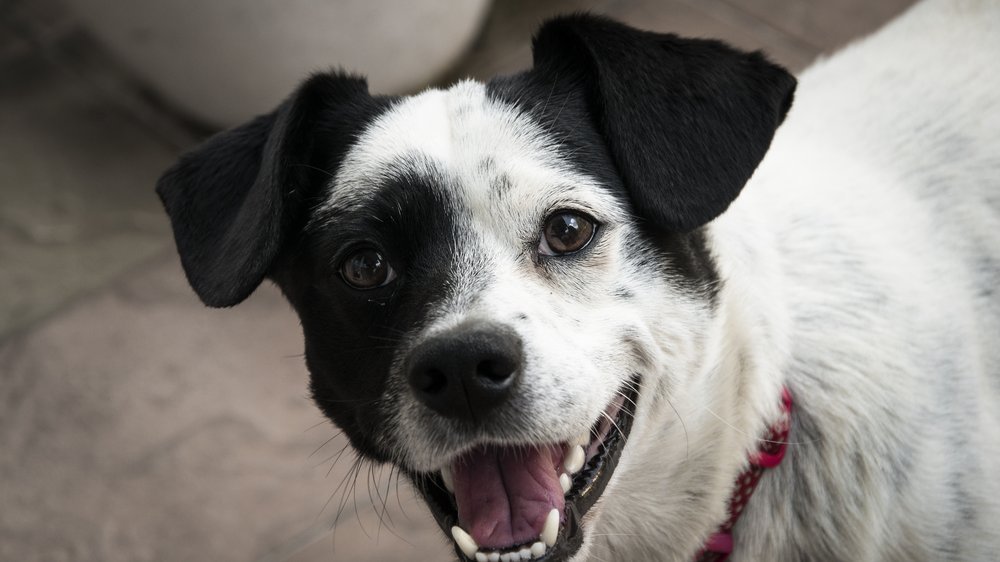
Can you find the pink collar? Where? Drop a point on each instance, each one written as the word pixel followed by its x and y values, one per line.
pixel 719 546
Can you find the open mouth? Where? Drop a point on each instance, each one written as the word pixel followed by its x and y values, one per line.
pixel 510 503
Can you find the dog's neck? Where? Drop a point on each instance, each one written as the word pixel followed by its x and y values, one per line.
pixel 752 330
pixel 752 351
pixel 755 347
pixel 769 455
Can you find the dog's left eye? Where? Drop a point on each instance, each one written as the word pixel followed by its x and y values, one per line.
pixel 367 269
pixel 566 232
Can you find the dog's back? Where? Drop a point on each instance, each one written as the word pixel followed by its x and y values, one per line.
pixel 881 196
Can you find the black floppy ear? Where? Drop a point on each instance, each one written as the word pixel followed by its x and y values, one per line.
pixel 235 200
pixel 686 120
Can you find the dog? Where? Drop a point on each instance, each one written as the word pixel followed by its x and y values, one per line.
pixel 636 303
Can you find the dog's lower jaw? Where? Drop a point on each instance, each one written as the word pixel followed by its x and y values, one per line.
pixel 585 466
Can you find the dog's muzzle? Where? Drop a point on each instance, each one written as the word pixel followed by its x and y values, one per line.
pixel 509 502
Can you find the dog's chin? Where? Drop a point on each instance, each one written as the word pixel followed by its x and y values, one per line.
pixel 528 502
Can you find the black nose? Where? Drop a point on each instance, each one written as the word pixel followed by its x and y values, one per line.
pixel 467 371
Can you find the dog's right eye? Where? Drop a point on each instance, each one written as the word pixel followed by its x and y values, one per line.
pixel 566 232
pixel 367 269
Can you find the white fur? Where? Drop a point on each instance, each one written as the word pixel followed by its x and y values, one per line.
pixel 875 220
pixel 856 269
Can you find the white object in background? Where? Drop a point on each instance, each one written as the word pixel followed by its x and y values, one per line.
pixel 224 61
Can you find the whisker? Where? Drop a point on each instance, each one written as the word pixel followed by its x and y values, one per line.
pixel 745 434
pixel 325 443
pixel 343 497
pixel 627 398
pixel 687 439
pixel 315 425
pixel 610 419
pixel 385 506
pixel 386 339
pixel 354 497
pixel 359 402
pixel 335 458
pixel 561 107
pixel 334 493
pixel 399 501
pixel 311 167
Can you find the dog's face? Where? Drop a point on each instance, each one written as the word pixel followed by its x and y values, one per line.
pixel 495 281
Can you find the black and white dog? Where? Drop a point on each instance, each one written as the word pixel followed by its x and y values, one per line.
pixel 561 305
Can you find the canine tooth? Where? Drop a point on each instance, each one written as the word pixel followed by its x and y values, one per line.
pixel 583 439
pixel 574 459
pixel 537 549
pixel 524 553
pixel 448 479
pixel 566 482
pixel 480 557
pixel 465 542
pixel 551 529
pixel 493 557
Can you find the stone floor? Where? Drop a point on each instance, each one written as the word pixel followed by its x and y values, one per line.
pixel 134 423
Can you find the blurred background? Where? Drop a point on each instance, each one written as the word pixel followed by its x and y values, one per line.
pixel 135 424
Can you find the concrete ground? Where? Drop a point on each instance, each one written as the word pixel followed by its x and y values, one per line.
pixel 135 424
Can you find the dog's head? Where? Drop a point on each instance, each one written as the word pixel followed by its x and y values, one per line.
pixel 494 279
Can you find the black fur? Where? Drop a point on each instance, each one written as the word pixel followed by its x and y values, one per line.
pixel 239 198
pixel 352 336
pixel 685 120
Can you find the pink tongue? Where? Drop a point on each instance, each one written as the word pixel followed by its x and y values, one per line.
pixel 504 494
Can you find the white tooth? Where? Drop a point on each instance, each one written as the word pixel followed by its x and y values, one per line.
pixel 505 557
pixel 582 440
pixel 550 530
pixel 566 482
pixel 537 550
pixel 480 557
pixel 448 478
pixel 493 557
pixel 524 553
pixel 574 459
pixel 465 543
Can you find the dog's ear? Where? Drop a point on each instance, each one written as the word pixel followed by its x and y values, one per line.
pixel 235 200
pixel 686 120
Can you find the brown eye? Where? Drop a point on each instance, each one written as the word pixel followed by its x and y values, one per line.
pixel 566 232
pixel 366 269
